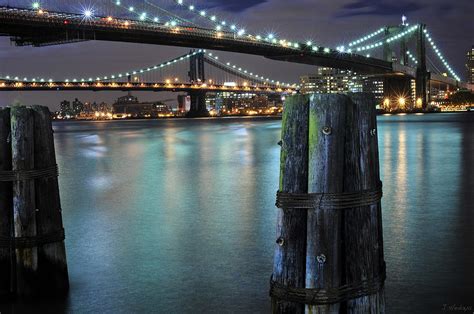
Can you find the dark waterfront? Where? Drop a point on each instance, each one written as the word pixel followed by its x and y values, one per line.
pixel 178 216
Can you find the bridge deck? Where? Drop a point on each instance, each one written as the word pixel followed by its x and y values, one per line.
pixel 29 26
pixel 114 86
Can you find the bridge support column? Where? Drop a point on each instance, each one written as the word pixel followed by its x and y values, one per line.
pixel 198 105
pixel 422 90
pixel 329 248
pixel 422 74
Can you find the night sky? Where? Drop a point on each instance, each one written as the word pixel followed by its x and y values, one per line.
pixel 329 23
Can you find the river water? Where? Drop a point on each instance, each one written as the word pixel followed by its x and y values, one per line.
pixel 178 216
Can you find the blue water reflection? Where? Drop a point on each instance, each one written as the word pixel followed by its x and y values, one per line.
pixel 177 216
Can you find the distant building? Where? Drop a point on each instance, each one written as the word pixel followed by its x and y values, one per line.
pixel 330 81
pixel 225 103
pixel 375 86
pixel 77 106
pixel 129 107
pixel 470 66
pixel 65 109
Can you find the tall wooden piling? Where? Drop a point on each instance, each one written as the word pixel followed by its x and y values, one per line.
pixel 344 269
pixel 24 210
pixel 32 252
pixel 363 238
pixel 52 263
pixel 326 172
pixel 290 255
pixel 6 200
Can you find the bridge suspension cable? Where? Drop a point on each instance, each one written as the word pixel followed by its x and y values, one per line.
pixel 144 15
pixel 387 40
pixel 239 32
pixel 440 55
pixel 365 38
pixel 209 57
pixel 218 23
pixel 170 13
pixel 412 57
pixel 107 77
pixel 241 72
pixel 433 65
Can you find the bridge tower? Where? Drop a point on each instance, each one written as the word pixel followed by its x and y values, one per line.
pixel 394 87
pixel 388 52
pixel 197 75
pixel 422 74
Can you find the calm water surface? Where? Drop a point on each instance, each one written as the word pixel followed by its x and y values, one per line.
pixel 177 216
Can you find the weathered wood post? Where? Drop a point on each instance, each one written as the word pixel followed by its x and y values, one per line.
pixel 290 248
pixel 326 173
pixel 5 205
pixel 363 237
pixel 345 270
pixel 29 205
pixel 24 213
pixel 51 256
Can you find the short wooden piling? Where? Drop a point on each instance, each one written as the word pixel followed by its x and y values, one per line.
pixel 5 205
pixel 344 269
pixel 52 265
pixel 24 210
pixel 290 255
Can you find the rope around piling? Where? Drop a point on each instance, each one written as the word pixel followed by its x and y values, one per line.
pixel 329 200
pixel 31 242
pixel 339 294
pixel 23 175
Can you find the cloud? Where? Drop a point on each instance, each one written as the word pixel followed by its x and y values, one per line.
pixel 374 7
pixel 233 5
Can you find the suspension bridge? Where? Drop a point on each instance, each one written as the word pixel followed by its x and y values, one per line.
pixel 402 55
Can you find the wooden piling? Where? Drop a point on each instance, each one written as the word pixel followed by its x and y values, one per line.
pixel 290 249
pixel 5 205
pixel 24 210
pixel 344 269
pixel 362 229
pixel 52 265
pixel 327 120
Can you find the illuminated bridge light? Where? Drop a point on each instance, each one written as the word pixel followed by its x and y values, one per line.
pixel 88 13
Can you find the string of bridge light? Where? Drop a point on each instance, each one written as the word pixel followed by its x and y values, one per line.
pixel 236 68
pixel 365 38
pixel 203 14
pixel 240 32
pixel 410 55
pixel 154 68
pixel 220 24
pixel 143 16
pixel 111 77
pixel 169 13
pixel 388 40
pixel 440 55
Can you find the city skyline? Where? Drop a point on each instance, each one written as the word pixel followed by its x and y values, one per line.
pixel 348 20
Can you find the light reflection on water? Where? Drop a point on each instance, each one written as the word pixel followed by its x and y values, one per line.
pixel 177 216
